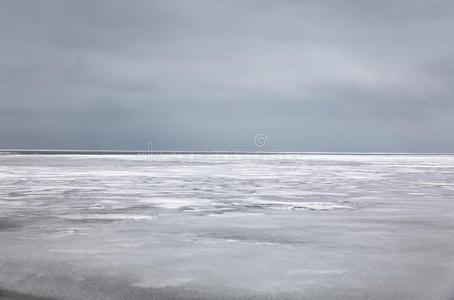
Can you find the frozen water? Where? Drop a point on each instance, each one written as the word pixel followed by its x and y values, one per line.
pixel 227 227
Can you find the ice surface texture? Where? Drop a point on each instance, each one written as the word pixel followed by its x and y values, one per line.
pixel 229 227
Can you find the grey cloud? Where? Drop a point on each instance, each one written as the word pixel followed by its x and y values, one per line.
pixel 313 75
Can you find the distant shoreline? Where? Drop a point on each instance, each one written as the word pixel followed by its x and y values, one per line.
pixel 12 295
pixel 161 152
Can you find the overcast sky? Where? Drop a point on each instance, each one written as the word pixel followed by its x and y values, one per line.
pixel 210 75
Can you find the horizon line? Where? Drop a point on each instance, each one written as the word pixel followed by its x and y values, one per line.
pixel 203 152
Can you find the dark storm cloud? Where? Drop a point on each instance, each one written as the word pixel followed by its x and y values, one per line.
pixel 312 75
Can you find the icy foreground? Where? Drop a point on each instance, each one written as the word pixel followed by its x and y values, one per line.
pixel 233 227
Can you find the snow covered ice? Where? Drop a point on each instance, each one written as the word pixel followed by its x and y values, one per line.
pixel 234 227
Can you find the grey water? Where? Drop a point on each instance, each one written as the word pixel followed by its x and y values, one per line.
pixel 226 226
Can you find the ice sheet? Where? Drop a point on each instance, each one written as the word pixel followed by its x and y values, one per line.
pixel 227 227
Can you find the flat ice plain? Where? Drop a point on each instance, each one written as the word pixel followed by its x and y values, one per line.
pixel 226 227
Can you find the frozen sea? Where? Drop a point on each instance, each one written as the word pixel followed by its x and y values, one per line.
pixel 226 227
